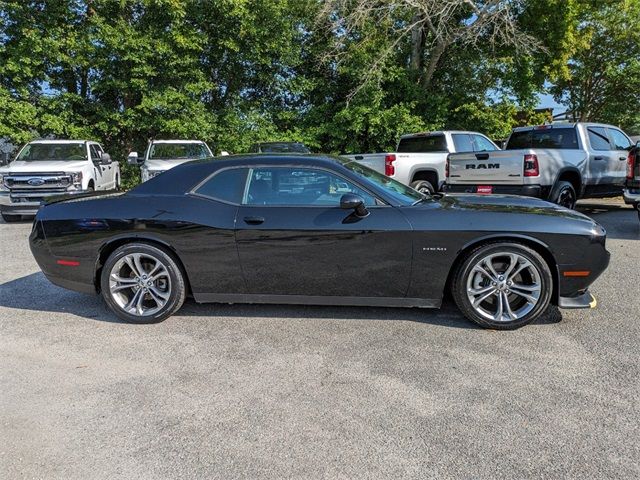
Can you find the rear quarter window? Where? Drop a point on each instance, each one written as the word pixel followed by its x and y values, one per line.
pixel 426 144
pixel 558 138
pixel 227 185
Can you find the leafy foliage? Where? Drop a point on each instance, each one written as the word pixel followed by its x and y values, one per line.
pixel 234 72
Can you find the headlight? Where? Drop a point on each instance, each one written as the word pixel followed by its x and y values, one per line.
pixel 76 179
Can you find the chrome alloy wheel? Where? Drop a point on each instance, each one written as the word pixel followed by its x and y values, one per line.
pixel 504 287
pixel 140 284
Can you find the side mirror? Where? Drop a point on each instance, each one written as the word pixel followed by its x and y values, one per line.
pixel 105 159
pixel 351 201
pixel 133 159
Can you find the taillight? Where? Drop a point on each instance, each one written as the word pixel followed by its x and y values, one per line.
pixel 631 163
pixel 531 167
pixel 389 167
pixel 446 168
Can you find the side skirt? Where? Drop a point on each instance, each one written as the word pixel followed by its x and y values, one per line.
pixel 318 300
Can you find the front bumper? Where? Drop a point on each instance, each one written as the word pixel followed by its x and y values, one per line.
pixel 537 191
pixel 585 300
pixel 23 206
pixel 631 197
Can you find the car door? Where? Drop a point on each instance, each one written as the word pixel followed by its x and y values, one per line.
pixel 621 146
pixel 102 176
pixel 601 159
pixel 294 239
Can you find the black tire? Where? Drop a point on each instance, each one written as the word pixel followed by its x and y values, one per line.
pixel 423 186
pixel 177 289
pixel 465 269
pixel 11 218
pixel 564 195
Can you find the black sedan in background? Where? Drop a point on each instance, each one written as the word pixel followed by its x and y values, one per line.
pixel 302 229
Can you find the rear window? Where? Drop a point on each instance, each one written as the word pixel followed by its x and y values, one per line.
pixel 560 138
pixel 427 144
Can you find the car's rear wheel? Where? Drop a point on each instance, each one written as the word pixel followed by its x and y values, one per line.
pixel 142 283
pixel 11 218
pixel 423 186
pixel 502 285
pixel 564 195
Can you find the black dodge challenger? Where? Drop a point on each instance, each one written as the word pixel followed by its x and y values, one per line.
pixel 302 229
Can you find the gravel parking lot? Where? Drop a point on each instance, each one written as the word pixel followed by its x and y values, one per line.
pixel 314 392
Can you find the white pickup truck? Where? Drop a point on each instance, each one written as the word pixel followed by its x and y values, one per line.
pixel 45 168
pixel 420 158
pixel 560 163
pixel 161 155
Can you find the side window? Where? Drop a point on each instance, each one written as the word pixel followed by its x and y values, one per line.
pixel 227 185
pixel 462 142
pixel 620 140
pixel 299 186
pixel 598 138
pixel 482 144
pixel 95 153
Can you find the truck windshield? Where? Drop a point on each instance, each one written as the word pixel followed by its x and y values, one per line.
pixel 35 152
pixel 560 138
pixel 171 151
pixel 426 144
pixel 403 194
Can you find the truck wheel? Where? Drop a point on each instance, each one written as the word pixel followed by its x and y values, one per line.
pixel 502 285
pixel 564 195
pixel 423 186
pixel 11 218
pixel 141 283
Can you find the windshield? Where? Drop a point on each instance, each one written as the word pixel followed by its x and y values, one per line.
pixel 403 194
pixel 283 148
pixel 423 144
pixel 171 151
pixel 53 151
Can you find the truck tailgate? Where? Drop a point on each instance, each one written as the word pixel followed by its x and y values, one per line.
pixel 501 167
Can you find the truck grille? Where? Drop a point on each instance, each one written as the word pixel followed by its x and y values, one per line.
pixel 23 183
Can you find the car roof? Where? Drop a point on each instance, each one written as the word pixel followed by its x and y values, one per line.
pixel 440 132
pixel 184 177
pixel 42 140
pixel 177 141
pixel 562 125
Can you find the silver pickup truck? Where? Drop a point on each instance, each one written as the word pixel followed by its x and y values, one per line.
pixel 560 163
pixel 420 158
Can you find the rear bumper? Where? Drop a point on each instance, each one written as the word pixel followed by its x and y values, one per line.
pixel 537 191
pixel 631 197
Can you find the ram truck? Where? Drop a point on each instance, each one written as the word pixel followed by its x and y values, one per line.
pixel 631 192
pixel 46 168
pixel 162 155
pixel 420 158
pixel 560 163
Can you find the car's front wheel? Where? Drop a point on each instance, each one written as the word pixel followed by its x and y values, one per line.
pixel 142 283
pixel 502 285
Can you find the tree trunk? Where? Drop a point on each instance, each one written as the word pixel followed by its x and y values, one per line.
pixel 417 43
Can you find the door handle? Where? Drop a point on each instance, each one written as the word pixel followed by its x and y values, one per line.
pixel 622 158
pixel 598 158
pixel 253 220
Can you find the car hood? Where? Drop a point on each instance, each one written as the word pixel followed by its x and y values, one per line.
pixel 509 204
pixel 162 165
pixel 44 166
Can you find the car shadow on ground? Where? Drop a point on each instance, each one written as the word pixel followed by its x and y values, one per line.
pixel 35 293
